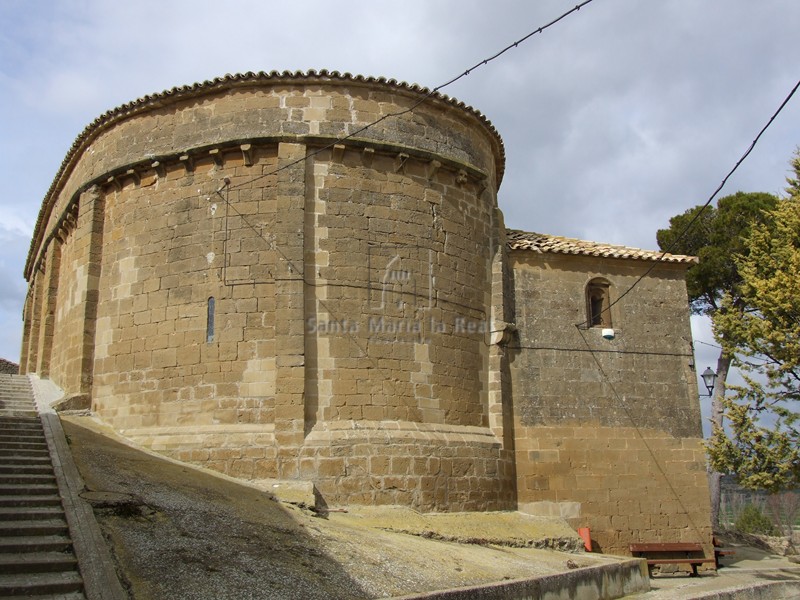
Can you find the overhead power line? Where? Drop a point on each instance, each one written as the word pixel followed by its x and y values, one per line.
pixel 594 353
pixel 693 220
pixel 228 187
pixel 422 100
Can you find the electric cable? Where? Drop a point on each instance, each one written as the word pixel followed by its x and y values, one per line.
pixel 622 404
pixel 584 324
pixel 228 187
pixel 427 96
pixel 693 220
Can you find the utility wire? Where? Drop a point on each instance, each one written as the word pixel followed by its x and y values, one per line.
pixel 584 324
pixel 690 224
pixel 623 404
pixel 228 187
pixel 707 344
pixel 422 100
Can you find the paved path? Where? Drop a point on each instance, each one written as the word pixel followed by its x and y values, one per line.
pixel 750 574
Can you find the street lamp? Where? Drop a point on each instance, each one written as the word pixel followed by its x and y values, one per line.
pixel 709 378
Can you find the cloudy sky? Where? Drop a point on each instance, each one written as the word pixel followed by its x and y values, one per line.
pixel 625 113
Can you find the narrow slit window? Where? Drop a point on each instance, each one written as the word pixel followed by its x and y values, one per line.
pixel 598 303
pixel 210 321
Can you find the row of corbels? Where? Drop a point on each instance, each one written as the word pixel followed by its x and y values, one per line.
pixel 188 160
pixel 217 155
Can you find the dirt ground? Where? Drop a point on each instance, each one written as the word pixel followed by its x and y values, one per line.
pixel 177 532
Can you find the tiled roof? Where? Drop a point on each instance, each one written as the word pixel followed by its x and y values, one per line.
pixel 539 242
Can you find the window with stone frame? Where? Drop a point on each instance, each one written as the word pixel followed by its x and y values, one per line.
pixel 210 320
pixel 598 303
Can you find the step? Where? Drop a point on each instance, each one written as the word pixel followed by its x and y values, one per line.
pixel 20 422
pixel 27 584
pixel 31 528
pixel 26 500
pixel 21 429
pixel 34 489
pixel 31 443
pixel 18 413
pixel 37 562
pixel 27 430
pixel 36 460
pixel 27 452
pixel 62 596
pixel 28 479
pixel 35 543
pixel 30 513
pixel 37 438
pixel 23 453
pixel 16 468
pixel 31 424
pixel 9 445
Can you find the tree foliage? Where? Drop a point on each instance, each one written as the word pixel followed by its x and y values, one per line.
pixel 794 182
pixel 714 234
pixel 764 447
pixel 753 520
pixel 715 237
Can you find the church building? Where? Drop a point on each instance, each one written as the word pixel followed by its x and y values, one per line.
pixel 306 276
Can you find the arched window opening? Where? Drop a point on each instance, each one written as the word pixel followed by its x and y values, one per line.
pixel 210 321
pixel 598 303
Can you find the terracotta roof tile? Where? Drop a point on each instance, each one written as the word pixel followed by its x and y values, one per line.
pixel 541 243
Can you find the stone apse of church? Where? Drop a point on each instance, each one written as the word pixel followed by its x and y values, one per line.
pixel 230 283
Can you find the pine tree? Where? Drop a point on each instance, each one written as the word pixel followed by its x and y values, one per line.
pixel 763 449
pixel 714 234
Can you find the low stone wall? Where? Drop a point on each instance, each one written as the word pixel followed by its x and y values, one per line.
pixel 593 583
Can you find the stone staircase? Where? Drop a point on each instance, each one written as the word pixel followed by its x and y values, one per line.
pixel 36 554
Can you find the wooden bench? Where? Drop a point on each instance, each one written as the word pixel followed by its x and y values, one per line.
pixel 719 552
pixel 671 553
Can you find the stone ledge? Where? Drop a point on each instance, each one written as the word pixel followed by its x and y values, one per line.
pixel 162 439
pixel 590 583
pixel 565 510
pixel 386 431
pixel 264 428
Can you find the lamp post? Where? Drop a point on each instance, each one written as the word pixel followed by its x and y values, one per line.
pixel 709 379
